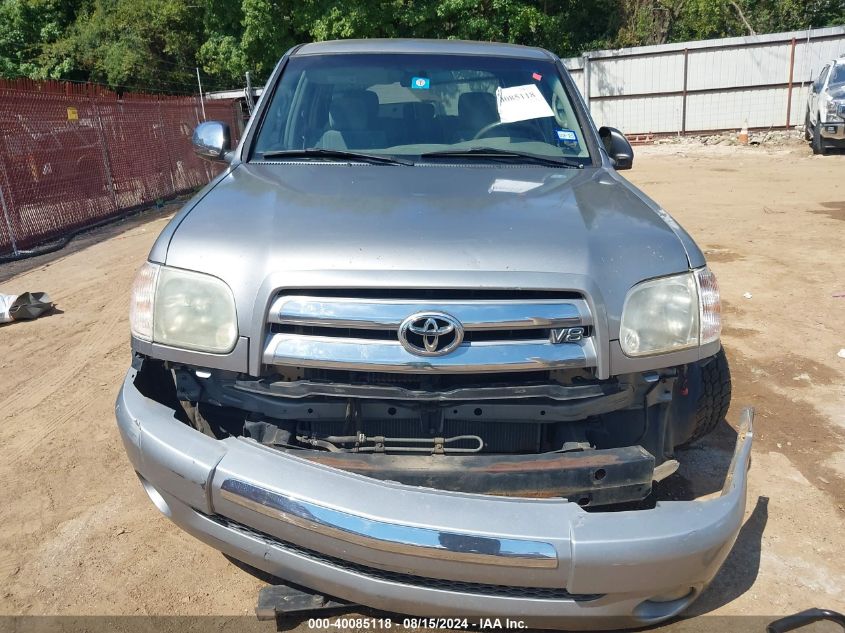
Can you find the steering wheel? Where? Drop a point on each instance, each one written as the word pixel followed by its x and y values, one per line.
pixel 483 132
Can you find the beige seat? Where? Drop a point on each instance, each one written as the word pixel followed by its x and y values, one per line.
pixel 353 118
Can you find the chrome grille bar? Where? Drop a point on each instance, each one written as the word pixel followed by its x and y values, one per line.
pixel 376 355
pixel 388 314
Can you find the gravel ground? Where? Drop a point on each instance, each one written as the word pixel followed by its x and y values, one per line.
pixel 79 537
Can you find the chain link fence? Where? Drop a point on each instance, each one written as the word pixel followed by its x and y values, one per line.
pixel 74 156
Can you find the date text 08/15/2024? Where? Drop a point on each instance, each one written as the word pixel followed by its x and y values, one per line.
pixel 344 623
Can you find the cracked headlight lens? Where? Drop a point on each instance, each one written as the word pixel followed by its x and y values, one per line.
pixel 184 309
pixel 660 315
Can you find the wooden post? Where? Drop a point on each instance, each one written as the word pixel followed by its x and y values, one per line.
pixel 789 90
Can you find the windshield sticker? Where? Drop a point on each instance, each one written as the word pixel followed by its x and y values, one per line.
pixel 420 83
pixel 505 185
pixel 521 103
pixel 566 135
pixel 536 76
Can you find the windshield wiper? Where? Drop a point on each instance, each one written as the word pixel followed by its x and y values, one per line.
pixel 320 152
pixel 498 154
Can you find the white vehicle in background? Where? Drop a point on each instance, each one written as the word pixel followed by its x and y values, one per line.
pixel 824 125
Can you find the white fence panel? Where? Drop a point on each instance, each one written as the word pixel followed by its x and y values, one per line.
pixel 707 85
pixel 650 114
pixel 810 57
pixel 733 67
pixel 636 75
pixel 756 107
pixel 799 105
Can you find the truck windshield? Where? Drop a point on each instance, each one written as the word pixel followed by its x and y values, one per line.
pixel 408 105
pixel 837 75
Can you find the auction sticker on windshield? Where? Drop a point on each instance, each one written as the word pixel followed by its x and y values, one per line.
pixel 420 83
pixel 521 103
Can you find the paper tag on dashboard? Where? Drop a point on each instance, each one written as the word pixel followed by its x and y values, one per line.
pixel 521 103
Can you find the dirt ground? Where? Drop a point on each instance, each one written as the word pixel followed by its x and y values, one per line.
pixel 78 535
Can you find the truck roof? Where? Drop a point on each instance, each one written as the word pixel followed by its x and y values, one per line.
pixel 421 46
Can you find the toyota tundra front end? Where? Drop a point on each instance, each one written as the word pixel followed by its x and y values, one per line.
pixel 421 348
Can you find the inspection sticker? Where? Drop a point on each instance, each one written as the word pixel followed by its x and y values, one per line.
pixel 420 83
pixel 566 135
pixel 521 103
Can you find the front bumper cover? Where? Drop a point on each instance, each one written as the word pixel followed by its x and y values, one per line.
pixel 429 552
pixel 832 131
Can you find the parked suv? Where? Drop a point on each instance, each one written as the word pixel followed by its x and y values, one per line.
pixel 421 348
pixel 824 125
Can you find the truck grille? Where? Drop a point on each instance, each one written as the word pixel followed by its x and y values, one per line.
pixel 491 331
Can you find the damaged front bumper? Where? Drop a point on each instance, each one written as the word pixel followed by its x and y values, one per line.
pixel 832 131
pixel 428 552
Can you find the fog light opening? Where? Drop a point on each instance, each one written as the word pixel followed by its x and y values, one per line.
pixel 664 606
pixel 155 496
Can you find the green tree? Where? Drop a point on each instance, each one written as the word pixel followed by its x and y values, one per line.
pixel 660 21
pixel 135 44
pixel 26 28
pixel 156 44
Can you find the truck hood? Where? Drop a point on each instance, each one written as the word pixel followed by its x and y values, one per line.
pixel 435 226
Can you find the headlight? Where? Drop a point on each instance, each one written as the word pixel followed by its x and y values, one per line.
pixel 183 309
pixel 670 314
pixel 833 108
pixel 709 305
pixel 141 301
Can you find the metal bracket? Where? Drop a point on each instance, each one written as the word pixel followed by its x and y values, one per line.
pixel 278 602
pixel 792 622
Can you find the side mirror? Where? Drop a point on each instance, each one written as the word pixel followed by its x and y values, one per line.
pixel 212 140
pixel 617 147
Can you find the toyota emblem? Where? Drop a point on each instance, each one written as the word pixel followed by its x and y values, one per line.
pixel 430 333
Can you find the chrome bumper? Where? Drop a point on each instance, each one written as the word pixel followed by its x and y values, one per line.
pixel 427 552
pixel 832 131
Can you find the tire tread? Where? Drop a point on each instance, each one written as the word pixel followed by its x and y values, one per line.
pixel 715 397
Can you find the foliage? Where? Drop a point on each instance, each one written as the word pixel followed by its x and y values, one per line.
pixel 661 21
pixel 157 45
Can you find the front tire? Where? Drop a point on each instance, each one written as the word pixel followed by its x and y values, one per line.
pixel 808 136
pixel 818 142
pixel 714 396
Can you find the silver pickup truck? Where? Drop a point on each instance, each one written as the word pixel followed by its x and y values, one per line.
pixel 824 124
pixel 421 348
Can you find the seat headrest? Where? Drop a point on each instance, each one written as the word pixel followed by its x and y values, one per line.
pixel 478 109
pixel 419 111
pixel 353 109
